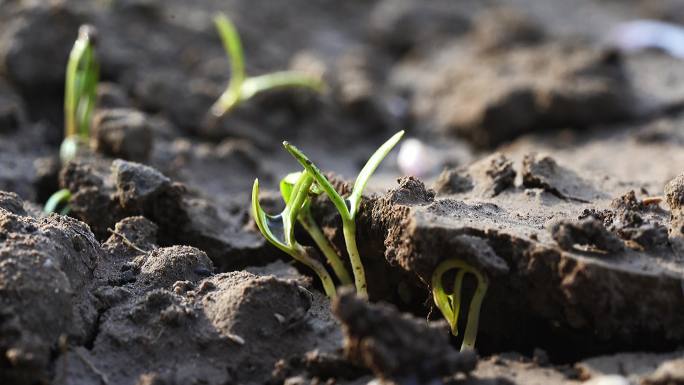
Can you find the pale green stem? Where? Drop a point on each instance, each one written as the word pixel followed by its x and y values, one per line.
pixel 455 298
pixel 282 79
pixel 70 98
pixel 322 242
pixel 228 99
pixel 299 253
pixel 349 231
pixel 450 304
pixel 474 314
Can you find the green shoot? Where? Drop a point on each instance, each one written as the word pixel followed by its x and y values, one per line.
pixel 60 198
pixel 240 87
pixel 80 94
pixel 80 89
pixel 449 303
pixel 348 212
pixel 279 229
pixel 309 224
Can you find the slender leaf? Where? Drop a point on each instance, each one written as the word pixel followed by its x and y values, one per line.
pixel 307 221
pixel 89 94
pixel 443 300
pixel 282 79
pixel 233 46
pixel 321 180
pixel 298 196
pixel 368 170
pixel 73 85
pixel 264 220
pixel 287 184
pixel 285 220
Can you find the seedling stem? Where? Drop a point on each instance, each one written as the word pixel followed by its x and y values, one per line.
pixel 348 212
pixel 80 90
pixel 309 224
pixel 240 87
pixel 450 303
pixel 285 222
pixel 349 231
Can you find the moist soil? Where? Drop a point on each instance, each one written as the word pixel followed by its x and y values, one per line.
pixel 547 160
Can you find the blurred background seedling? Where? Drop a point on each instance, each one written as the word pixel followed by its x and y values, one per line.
pixel 80 94
pixel 449 301
pixel 58 202
pixel 348 208
pixel 241 87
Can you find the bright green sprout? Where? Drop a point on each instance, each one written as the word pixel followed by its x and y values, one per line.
pixel 348 208
pixel 82 75
pixel 60 198
pixel 449 303
pixel 80 94
pixel 279 229
pixel 241 88
pixel 309 224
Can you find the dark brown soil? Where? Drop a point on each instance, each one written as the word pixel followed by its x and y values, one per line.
pixel 551 162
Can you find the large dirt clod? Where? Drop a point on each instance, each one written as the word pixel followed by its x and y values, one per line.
pixel 396 346
pixel 122 189
pixel 46 267
pixel 532 279
pixel 491 98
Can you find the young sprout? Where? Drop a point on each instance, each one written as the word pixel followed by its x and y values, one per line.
pixel 82 75
pixel 279 229
pixel 449 303
pixel 309 224
pixel 59 199
pixel 348 208
pixel 241 88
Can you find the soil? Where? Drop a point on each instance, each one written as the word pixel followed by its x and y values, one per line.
pixel 545 158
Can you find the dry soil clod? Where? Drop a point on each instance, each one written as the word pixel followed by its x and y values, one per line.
pixel 397 346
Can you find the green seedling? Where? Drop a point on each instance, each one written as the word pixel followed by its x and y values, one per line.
pixel 309 224
pixel 59 199
pixel 241 88
pixel 348 208
pixel 80 90
pixel 80 94
pixel 449 302
pixel 279 229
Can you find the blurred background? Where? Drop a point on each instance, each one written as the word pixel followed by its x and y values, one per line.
pixel 462 77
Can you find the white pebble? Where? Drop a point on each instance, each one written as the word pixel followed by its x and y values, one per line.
pixel 638 35
pixel 414 158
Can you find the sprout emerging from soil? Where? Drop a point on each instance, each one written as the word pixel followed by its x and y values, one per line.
pixel 279 229
pixel 348 208
pixel 241 88
pixel 309 224
pixel 449 303
pixel 82 75
pixel 80 94
pixel 59 199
